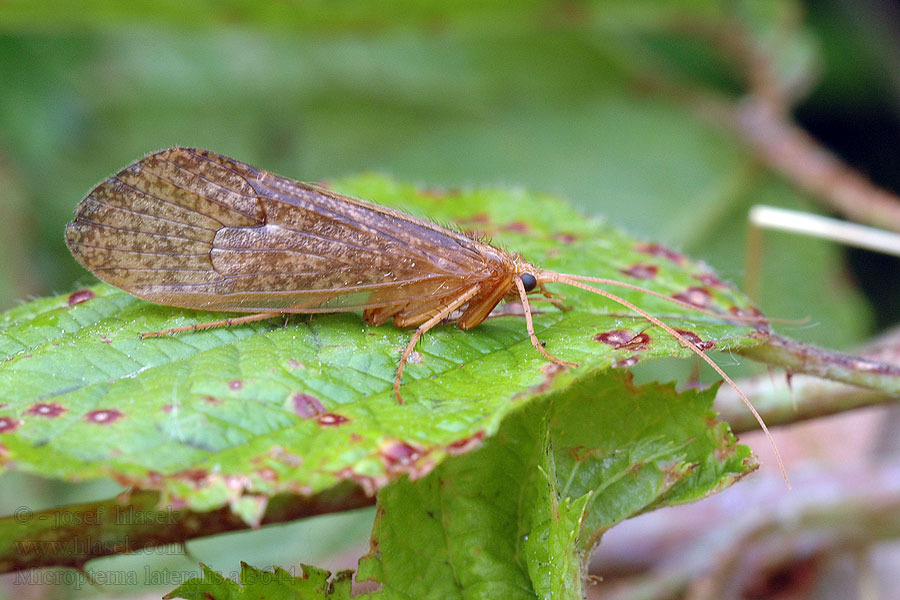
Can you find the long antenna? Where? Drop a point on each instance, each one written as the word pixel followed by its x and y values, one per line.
pixel 693 307
pixel 561 278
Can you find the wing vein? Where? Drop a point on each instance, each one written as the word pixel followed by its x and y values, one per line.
pixel 164 236
pixel 132 250
pixel 156 216
pixel 169 202
pixel 199 176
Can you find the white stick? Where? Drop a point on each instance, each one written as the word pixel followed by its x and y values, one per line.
pixel 851 234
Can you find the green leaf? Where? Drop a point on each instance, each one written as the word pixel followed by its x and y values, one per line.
pixel 232 416
pixel 519 517
pixel 312 584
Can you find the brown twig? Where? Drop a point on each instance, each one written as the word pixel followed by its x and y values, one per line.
pixel 788 149
pixel 761 118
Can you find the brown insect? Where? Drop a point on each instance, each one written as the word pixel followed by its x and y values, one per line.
pixel 195 229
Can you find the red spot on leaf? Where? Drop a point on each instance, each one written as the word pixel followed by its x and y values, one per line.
pixel 724 449
pixel 80 296
pixel 46 410
pixel 745 312
pixel 695 339
pixel 235 384
pixel 307 406
pixel 641 271
pixel 8 424
pixel 624 339
pixel 711 280
pixel 399 454
pixel 639 342
pixel 368 483
pixel 212 400
pixel 465 444
pixel 103 417
pixel 296 364
pixel 661 252
pixel 195 476
pixel 402 457
pixel 480 218
pixel 167 408
pixel 549 371
pixel 761 326
pixel 268 474
pixel 438 194
pixel 580 453
pixel 238 483
pixel 287 458
pixel 696 296
pixel 615 338
pixel 626 362
pixel 565 238
pixel 517 227
pixel 105 339
pixel 331 420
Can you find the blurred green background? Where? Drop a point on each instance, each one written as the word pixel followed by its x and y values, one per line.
pixel 546 95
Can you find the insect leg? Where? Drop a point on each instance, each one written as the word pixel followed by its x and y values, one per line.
pixel 553 298
pixel 211 324
pixel 421 329
pixel 529 325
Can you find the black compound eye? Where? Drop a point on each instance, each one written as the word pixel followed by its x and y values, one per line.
pixel 529 281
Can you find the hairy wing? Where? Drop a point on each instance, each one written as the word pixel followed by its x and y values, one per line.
pixel 191 228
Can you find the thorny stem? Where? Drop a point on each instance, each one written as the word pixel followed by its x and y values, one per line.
pixel 796 357
pixel 69 536
pixel 871 382
pixel 784 401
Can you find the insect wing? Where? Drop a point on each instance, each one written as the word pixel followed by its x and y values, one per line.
pixel 191 228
